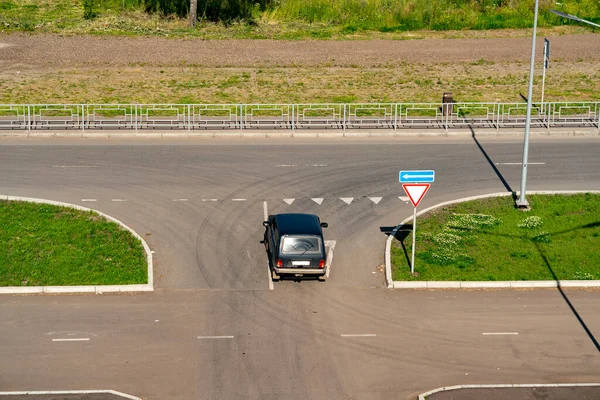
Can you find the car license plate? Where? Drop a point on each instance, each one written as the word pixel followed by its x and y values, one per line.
pixel 301 263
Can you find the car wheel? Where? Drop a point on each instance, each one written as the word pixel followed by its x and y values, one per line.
pixel 275 276
pixel 322 278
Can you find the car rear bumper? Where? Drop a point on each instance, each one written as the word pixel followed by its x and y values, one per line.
pixel 301 271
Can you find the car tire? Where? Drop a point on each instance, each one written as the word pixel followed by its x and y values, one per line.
pixel 275 276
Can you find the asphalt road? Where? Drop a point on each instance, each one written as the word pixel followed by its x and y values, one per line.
pixel 214 329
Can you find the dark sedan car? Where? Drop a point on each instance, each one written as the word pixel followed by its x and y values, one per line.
pixel 295 245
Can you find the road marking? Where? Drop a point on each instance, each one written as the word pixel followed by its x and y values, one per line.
pixel 180 199
pixel 375 200
pixel 286 165
pixel 265 211
pixel 329 260
pixel 358 335
pixel 71 340
pixel 499 333
pixel 520 163
pixel 239 199
pixel 118 200
pixel 210 199
pixel 215 337
pixel 403 198
pixel 89 200
pixel 289 201
pixel 74 166
pixel 318 200
pixel 347 200
pixel 266 215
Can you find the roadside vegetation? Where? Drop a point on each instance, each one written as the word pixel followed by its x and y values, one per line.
pixel 282 19
pixel 398 82
pixel 47 245
pixel 491 240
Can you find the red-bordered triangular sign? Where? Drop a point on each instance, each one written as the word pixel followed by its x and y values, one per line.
pixel 416 191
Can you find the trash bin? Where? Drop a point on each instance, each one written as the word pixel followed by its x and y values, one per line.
pixel 447 104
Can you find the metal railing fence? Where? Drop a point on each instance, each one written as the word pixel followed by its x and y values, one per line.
pixel 296 116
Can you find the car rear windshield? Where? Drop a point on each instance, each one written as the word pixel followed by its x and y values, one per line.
pixel 301 244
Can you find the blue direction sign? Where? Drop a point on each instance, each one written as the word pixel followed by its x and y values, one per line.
pixel 417 176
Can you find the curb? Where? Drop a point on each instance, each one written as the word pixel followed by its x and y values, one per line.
pixel 391 284
pixel 296 133
pixel 98 289
pixel 423 396
pixel 41 393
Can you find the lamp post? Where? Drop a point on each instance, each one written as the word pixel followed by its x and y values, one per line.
pixel 522 201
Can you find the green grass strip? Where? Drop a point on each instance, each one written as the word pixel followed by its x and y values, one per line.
pixel 491 240
pixel 47 245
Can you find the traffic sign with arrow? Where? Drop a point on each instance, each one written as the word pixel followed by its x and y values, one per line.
pixel 417 176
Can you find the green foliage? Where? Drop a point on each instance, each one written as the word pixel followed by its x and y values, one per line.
pixel 89 9
pixel 212 10
pixel 460 243
pixel 42 245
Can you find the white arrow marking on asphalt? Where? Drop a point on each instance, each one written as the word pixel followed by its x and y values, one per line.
pixel 289 201
pixel 347 200
pixel 318 200
pixel 404 198
pixel 375 200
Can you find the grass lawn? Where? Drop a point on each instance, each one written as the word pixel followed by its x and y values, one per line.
pixel 46 245
pixel 490 240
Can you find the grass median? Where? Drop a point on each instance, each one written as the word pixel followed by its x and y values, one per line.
pixel 47 245
pixel 491 240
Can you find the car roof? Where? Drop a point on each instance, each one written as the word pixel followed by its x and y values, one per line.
pixel 296 224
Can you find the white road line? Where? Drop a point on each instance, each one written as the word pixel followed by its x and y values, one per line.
pixel 74 166
pixel 520 163
pixel 239 199
pixel 375 200
pixel 71 340
pixel 180 199
pixel 318 200
pixel 265 211
pixel 289 201
pixel 118 200
pixel 358 335
pixel 210 199
pixel 499 333
pixel 331 245
pixel 215 337
pixel 347 200
pixel 89 200
pixel 266 215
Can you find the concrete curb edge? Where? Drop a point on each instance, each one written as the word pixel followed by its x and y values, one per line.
pixel 391 284
pixel 114 392
pixel 98 289
pixel 423 396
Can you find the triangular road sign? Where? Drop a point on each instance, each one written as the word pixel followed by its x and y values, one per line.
pixel 416 191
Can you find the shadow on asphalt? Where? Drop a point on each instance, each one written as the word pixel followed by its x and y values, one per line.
pixel 492 164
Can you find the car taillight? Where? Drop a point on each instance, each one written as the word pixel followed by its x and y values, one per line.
pixel 322 264
pixel 279 263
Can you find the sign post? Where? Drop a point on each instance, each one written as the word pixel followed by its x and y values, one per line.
pixel 415 184
pixel 546 62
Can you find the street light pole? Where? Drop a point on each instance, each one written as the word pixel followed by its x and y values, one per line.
pixel 522 201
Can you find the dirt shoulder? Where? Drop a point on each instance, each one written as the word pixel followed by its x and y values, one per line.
pixel 62 51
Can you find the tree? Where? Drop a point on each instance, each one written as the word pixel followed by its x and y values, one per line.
pixel 193 12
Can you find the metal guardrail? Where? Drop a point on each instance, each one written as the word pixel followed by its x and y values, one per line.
pixel 295 116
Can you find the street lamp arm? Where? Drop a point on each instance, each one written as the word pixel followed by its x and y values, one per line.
pixel 573 17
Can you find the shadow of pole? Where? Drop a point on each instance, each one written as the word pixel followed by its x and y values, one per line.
pixel 489 160
pixel 564 296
